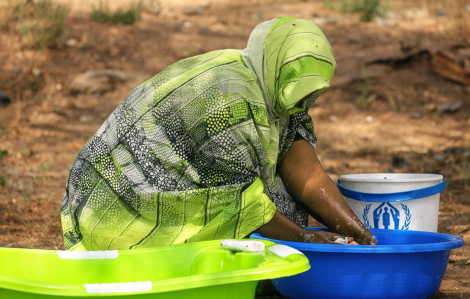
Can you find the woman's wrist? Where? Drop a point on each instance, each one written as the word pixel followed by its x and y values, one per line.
pixel 280 227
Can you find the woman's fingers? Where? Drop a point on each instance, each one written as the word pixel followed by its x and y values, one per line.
pixel 369 240
pixel 366 238
pixel 333 238
pixel 323 237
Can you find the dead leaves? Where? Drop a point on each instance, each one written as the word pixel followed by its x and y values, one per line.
pixel 453 64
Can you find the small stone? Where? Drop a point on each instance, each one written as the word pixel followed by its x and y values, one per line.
pixel 369 118
pixel 85 118
pixel 431 107
pixel 442 13
pixel 71 42
pixel 4 100
pixel 449 107
pixel 417 115
pixel 36 71
pixel 355 40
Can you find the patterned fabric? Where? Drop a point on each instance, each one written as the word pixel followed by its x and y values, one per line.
pixel 184 158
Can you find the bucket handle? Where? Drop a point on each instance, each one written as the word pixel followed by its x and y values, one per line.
pixel 392 197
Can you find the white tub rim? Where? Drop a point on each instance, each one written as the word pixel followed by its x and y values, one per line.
pixel 392 177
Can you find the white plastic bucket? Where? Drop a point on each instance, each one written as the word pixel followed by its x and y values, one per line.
pixel 401 201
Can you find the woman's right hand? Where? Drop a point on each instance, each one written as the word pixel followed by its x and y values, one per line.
pixel 323 237
pixel 366 238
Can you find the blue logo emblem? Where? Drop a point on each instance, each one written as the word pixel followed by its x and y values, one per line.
pixel 387 216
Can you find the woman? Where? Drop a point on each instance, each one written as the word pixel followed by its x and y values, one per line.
pixel 215 146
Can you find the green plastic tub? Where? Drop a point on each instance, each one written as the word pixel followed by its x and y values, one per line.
pixel 193 270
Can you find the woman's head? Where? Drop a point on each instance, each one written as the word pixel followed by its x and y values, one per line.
pixel 293 61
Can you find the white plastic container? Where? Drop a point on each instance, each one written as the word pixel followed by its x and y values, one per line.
pixel 399 201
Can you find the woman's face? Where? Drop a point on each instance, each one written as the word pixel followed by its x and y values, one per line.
pixel 299 103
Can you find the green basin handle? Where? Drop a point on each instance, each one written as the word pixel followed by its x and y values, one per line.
pixel 248 246
pixel 280 250
pixel 392 197
pixel 88 255
pixel 283 251
pixel 120 287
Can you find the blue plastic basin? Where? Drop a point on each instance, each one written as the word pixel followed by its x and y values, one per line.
pixel 406 265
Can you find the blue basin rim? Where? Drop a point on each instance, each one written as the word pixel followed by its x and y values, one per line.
pixel 392 197
pixel 440 242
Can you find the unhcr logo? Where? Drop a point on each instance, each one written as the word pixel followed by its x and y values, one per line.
pixel 387 216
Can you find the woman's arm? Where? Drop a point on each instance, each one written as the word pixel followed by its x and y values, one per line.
pixel 308 184
pixel 282 228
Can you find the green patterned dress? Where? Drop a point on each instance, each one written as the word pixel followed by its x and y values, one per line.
pixel 191 154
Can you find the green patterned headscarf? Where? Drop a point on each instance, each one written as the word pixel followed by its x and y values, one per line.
pixel 292 59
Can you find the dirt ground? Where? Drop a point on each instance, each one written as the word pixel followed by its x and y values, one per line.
pixel 388 110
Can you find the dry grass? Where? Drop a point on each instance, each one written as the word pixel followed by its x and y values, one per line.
pixel 39 22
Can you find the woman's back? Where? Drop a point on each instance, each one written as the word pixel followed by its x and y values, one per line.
pixel 161 154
